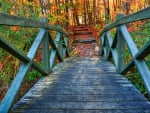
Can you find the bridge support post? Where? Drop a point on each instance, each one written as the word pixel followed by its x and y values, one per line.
pixel 45 47
pixel 121 47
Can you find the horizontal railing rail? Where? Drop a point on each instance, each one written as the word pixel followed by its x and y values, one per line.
pixel 140 15
pixel 23 22
pixel 114 47
pixel 51 49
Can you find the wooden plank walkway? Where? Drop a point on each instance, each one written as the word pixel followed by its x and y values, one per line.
pixel 83 85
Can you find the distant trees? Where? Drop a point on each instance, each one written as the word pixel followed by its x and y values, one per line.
pixel 72 12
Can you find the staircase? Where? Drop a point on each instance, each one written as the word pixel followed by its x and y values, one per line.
pixel 83 85
pixel 84 42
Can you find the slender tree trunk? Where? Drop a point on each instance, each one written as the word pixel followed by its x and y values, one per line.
pixel 85 13
pixel 75 14
pixel 114 5
pixel 67 14
pixel 94 11
pixel 89 13
pixel 149 2
pixel 107 10
pixel 43 8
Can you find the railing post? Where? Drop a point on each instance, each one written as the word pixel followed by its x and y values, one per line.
pixel 101 39
pixel 46 52
pixel 121 47
pixel 107 46
pixel 60 45
pixel 67 45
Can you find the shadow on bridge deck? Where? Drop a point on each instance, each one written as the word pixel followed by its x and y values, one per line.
pixel 83 85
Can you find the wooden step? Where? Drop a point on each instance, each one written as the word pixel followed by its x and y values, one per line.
pixel 79 29
pixel 83 33
pixel 86 40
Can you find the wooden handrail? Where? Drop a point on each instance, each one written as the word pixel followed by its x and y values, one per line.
pixel 10 20
pixel 58 50
pixel 114 48
pixel 140 15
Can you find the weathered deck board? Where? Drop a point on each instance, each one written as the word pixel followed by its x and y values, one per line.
pixel 83 85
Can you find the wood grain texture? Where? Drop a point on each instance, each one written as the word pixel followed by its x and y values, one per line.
pixel 83 85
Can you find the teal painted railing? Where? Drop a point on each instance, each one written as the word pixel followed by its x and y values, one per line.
pixel 59 49
pixel 114 47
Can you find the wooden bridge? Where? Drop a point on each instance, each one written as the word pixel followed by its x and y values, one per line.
pixel 84 84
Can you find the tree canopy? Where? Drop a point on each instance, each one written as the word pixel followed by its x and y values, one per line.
pixel 72 12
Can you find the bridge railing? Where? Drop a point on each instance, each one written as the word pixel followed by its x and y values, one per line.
pixel 51 49
pixel 116 47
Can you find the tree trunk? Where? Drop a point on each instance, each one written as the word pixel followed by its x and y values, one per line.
pixel 67 14
pixel 94 11
pixel 75 14
pixel 107 10
pixel 89 12
pixel 85 20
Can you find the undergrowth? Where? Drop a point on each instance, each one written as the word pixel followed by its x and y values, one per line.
pixel 140 31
